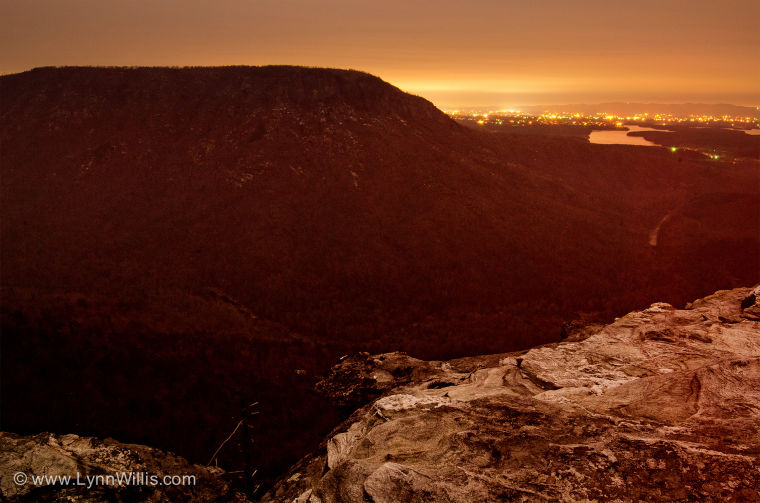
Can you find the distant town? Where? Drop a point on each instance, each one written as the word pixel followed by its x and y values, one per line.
pixel 600 120
pixel 716 136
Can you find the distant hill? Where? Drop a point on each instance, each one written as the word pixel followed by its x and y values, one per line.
pixel 170 233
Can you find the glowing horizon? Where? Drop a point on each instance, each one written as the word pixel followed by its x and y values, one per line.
pixel 475 54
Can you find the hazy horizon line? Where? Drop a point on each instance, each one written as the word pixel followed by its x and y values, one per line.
pixel 444 99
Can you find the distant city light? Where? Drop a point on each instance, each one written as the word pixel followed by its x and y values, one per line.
pixel 602 120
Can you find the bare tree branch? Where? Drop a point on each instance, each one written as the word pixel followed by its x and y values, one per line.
pixel 226 440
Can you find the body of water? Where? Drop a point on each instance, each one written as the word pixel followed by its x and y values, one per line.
pixel 617 137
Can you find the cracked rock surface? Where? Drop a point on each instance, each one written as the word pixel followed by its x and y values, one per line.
pixel 661 405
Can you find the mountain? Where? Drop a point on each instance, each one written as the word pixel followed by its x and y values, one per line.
pixel 179 241
pixel 659 405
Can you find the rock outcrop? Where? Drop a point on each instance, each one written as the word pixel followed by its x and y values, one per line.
pixel 47 467
pixel 661 405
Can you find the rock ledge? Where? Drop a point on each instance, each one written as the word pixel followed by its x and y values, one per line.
pixel 661 405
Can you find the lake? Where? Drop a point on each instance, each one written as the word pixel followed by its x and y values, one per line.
pixel 618 137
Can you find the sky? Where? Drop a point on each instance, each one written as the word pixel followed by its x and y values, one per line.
pixel 455 53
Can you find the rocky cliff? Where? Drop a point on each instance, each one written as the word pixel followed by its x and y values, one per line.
pixel 661 405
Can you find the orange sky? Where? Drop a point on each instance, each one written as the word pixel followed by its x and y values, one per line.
pixel 456 53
